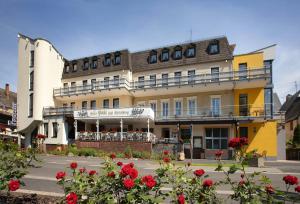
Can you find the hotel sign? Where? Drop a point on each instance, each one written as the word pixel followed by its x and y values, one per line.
pixel 139 112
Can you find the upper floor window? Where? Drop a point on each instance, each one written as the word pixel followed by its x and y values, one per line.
pixel 117 58
pixel 84 105
pixel 213 47
pixel 177 52
pixel 31 58
pixel 164 79
pixel 74 67
pixel 93 105
pixel 31 77
pixel 67 68
pixel 116 102
pixel 191 76
pixel 105 103
pixel 86 65
pixel 84 82
pixel 152 80
pixel 191 51
pixel 177 77
pixel 141 81
pixel 107 60
pixel 153 57
pixel 94 63
pixel 30 113
pixel 117 80
pixel 165 55
pixel 106 82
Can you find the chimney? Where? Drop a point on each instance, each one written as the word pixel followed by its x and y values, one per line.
pixel 7 90
pixel 288 97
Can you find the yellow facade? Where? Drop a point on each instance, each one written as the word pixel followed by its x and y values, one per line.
pixel 262 135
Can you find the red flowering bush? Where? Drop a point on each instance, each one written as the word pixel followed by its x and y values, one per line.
pixel 128 183
pixel 238 142
pixel 297 189
pixel 71 198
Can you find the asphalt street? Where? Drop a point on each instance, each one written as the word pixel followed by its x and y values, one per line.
pixel 43 179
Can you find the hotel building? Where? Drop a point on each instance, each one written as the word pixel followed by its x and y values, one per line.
pixel 197 93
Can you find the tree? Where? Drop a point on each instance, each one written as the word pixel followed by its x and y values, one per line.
pixel 296 138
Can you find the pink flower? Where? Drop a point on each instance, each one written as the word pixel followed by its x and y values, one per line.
pixel 269 189
pixel 199 172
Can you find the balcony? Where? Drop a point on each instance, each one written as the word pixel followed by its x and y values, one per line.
pixel 55 111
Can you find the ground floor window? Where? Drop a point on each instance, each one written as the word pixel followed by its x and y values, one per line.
pixel 243 131
pixel 54 129
pixel 216 138
pixel 46 129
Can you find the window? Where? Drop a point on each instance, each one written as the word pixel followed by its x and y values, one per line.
pixel 93 105
pixel 191 76
pixel 141 81
pixel 216 138
pixel 31 78
pixel 93 83
pixel 46 129
pixel 243 105
pixel 153 57
pixel 84 82
pixel 215 74
pixel 73 87
pixel 178 107
pixel 65 85
pixel 215 106
pixel 177 53
pixel 31 58
pixel 165 109
pixel 65 105
pixel 191 52
pixel 243 132
pixel 86 65
pixel 177 77
pixel 54 130
pixel 141 104
pixel 153 107
pixel 268 103
pixel 165 55
pixel 213 48
pixel 153 80
pixel 116 80
pixel 192 106
pixel 94 64
pixel 106 82
pixel 73 84
pixel 117 58
pixel 164 79
pixel 30 113
pixel 107 60
pixel 67 68
pixel 116 102
pixel 243 71
pixel 74 67
pixel 106 103
pixel 84 105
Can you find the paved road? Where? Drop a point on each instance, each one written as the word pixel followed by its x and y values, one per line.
pixel 43 179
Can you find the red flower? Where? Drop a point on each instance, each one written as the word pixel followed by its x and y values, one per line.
pixel 207 183
pixel 111 174
pixel 133 173
pixel 149 181
pixel 291 180
pixel 181 199
pixel 297 189
pixel 92 172
pixel 126 170
pixel 166 152
pixel 82 170
pixel 71 198
pixel 167 159
pixel 13 185
pixel 131 164
pixel 199 172
pixel 128 183
pixel 219 153
pixel 269 189
pixel 112 156
pixel 73 165
pixel 40 136
pixel 120 163
pixel 244 141
pixel 60 175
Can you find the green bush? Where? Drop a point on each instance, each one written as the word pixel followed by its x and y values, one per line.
pixel 141 155
pixel 128 152
pixel 296 137
pixel 87 152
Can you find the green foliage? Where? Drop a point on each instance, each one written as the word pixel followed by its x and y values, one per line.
pixel 296 137
pixel 87 152
pixel 128 152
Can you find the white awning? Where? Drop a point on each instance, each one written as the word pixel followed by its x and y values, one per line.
pixel 115 113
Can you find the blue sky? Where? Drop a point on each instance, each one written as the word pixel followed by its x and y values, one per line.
pixel 86 27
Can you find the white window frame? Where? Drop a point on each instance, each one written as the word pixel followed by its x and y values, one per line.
pixel 153 102
pixel 181 108
pixel 162 110
pixel 216 66
pixel 211 104
pixel 168 81
pixel 188 107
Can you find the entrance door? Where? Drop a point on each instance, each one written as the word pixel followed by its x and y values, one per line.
pixel 198 152
pixel 243 104
pixel 185 134
pixel 243 71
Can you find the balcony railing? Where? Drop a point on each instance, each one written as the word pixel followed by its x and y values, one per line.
pixel 52 111
pixel 262 73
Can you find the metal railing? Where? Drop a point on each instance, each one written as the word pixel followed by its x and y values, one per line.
pixel 261 73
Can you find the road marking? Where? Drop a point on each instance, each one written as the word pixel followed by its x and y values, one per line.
pixel 40 192
pixel 40 177
pixel 50 162
pixel 96 165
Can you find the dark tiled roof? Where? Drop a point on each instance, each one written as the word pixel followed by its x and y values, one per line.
pixel 100 67
pixel 7 100
pixel 292 107
pixel 140 63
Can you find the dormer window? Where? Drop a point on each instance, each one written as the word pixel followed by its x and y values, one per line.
pixel 153 57
pixel 165 55
pixel 191 51
pixel 67 68
pixel 74 67
pixel 177 52
pixel 117 58
pixel 107 60
pixel 94 64
pixel 213 48
pixel 86 65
